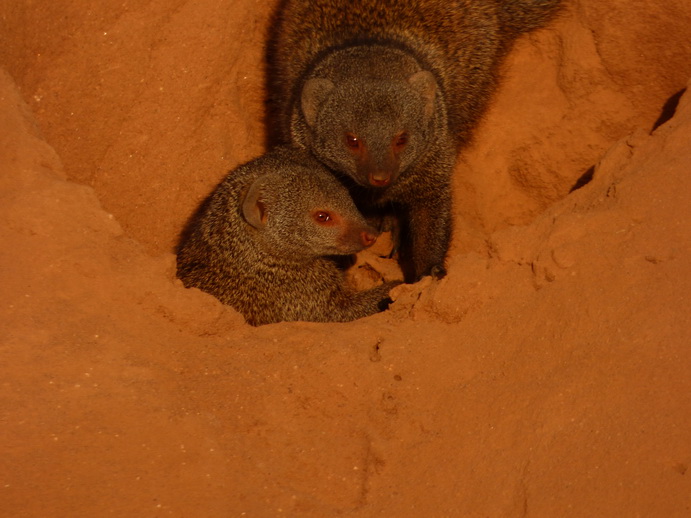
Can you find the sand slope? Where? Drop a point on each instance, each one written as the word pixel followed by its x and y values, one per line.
pixel 546 375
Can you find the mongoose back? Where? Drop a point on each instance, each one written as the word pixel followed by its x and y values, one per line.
pixel 386 93
pixel 264 243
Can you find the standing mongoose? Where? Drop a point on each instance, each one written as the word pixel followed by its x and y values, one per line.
pixel 386 93
pixel 265 240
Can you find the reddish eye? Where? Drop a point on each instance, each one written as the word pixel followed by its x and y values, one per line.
pixel 322 217
pixel 400 141
pixel 352 142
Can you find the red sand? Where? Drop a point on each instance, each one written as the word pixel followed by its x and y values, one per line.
pixel 546 375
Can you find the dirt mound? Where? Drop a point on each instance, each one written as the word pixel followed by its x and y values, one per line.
pixel 546 375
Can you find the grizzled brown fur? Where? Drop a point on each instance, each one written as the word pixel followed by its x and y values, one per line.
pixel 387 92
pixel 265 243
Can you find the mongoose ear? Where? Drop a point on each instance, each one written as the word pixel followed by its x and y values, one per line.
pixel 423 82
pixel 253 206
pixel 313 94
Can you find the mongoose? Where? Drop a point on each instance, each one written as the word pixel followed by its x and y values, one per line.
pixel 387 93
pixel 265 240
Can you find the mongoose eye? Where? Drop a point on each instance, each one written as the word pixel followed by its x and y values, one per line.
pixel 400 141
pixel 323 217
pixel 352 142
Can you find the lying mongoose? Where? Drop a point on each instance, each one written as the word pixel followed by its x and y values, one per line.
pixel 265 240
pixel 387 92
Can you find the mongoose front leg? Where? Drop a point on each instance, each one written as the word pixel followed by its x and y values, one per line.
pixel 369 302
pixel 427 237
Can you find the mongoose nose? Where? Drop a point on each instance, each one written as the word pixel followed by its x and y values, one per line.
pixel 379 179
pixel 367 238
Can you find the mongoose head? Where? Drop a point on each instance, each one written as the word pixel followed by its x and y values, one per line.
pixel 298 209
pixel 371 130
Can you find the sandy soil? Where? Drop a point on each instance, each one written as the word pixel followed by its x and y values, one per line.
pixel 546 375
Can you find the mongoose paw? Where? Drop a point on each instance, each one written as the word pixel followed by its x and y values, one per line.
pixel 384 304
pixel 437 271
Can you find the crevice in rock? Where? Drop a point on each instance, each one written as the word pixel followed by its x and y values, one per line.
pixel 584 179
pixel 668 109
